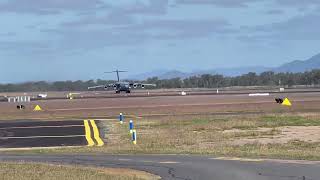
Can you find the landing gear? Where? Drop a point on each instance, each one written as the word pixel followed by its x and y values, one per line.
pixel 119 91
pixel 21 107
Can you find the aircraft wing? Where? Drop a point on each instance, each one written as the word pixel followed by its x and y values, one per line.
pixel 96 87
pixel 141 85
pixel 107 86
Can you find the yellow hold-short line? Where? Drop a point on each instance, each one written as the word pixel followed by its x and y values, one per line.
pixel 88 133
pixel 96 133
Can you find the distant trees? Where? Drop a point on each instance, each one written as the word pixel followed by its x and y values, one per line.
pixel 47 86
pixel 268 78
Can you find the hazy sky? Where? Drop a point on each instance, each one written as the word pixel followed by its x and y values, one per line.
pixel 80 39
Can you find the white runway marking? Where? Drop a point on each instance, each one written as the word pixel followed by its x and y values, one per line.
pixel 37 148
pixel 105 119
pixel 34 127
pixel 147 161
pixel 34 137
pixel 237 159
pixel 169 162
pixel 125 159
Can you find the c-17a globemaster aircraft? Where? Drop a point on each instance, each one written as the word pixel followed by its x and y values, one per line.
pixel 121 86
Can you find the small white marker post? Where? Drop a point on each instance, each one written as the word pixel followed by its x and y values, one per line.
pixel 131 126
pixel 134 137
pixel 121 118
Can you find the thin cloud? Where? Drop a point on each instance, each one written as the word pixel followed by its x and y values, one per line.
pixel 42 7
pixel 297 3
pixel 219 3
pixel 305 27
pixel 275 12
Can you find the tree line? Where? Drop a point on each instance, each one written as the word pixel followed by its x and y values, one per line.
pixel 268 78
pixel 41 86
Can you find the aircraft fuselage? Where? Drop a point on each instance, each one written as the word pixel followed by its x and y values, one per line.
pixel 122 87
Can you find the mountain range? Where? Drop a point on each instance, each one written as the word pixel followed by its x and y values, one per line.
pixel 294 66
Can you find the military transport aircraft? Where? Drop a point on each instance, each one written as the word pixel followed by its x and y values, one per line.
pixel 121 86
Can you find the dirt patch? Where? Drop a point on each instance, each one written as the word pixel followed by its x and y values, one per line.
pixel 291 133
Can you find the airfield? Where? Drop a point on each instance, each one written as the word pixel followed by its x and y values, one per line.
pixel 107 105
pixel 169 122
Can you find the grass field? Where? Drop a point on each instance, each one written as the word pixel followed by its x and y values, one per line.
pixel 33 171
pixel 257 136
pixel 242 136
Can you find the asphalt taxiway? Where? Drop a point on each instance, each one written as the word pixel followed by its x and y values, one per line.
pixel 31 133
pixel 176 167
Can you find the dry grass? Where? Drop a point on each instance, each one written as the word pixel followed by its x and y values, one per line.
pixel 206 135
pixel 214 135
pixel 36 171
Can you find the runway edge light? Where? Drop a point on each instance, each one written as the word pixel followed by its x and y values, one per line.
pixel 286 102
pixel 121 117
pixel 37 108
pixel 131 126
pixel 134 136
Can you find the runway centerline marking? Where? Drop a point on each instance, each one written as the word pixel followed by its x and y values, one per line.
pixel 147 161
pixel 96 133
pixel 88 133
pixel 125 159
pixel 237 159
pixel 169 162
pixel 35 127
pixel 33 137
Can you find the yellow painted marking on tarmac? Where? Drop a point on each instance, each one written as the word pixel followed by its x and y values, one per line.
pixel 88 133
pixel 237 159
pixel 96 133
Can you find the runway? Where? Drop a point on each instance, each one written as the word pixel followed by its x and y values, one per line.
pixel 31 133
pixel 173 105
pixel 160 93
pixel 155 93
pixel 176 167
